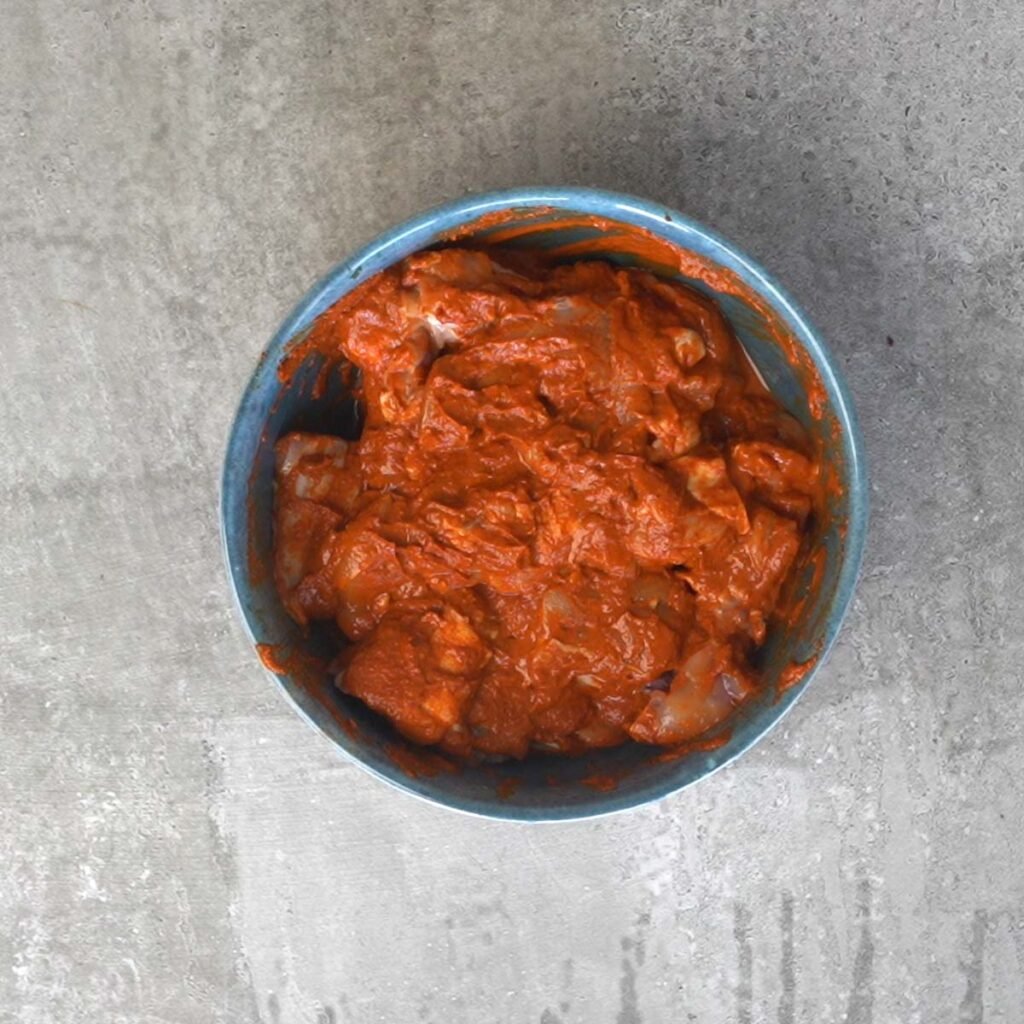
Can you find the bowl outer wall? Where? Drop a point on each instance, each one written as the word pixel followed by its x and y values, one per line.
pixel 423 231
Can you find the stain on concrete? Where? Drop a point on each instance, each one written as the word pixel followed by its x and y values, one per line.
pixel 634 946
pixel 972 1008
pixel 640 929
pixel 629 1012
pixel 861 1006
pixel 744 963
pixel 787 961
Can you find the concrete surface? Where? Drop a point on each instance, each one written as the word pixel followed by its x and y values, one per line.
pixel 176 846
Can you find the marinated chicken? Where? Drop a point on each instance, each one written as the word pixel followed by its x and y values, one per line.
pixel 568 516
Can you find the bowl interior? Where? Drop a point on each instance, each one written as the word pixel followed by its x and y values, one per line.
pixel 550 787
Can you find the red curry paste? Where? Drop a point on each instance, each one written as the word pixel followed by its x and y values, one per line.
pixel 569 514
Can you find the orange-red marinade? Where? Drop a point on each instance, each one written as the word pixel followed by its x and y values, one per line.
pixel 569 514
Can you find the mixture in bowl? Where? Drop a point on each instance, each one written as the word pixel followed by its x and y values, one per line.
pixel 568 517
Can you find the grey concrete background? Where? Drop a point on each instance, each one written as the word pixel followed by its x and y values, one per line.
pixel 176 846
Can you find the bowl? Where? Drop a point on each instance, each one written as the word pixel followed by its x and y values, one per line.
pixel 572 223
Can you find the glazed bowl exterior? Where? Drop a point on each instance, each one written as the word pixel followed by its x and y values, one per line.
pixel 545 788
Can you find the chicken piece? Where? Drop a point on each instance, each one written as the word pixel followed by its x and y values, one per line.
pixel 781 477
pixel 314 488
pixel 367 569
pixel 687 344
pixel 707 479
pixel 676 429
pixel 498 718
pixel 301 531
pixel 735 596
pixel 397 671
pixel 458 292
pixel 664 527
pixel 455 646
pixel 706 688
pixel 314 467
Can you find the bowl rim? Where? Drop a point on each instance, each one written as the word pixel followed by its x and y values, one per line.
pixel 674 227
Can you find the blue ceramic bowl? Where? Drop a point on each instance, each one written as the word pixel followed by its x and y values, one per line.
pixel 549 788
